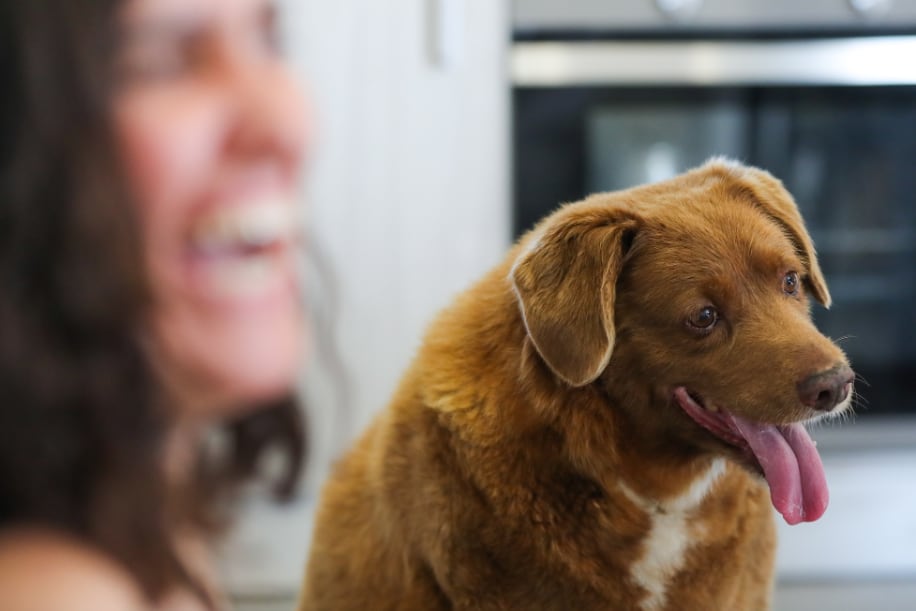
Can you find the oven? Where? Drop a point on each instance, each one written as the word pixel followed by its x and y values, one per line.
pixel 822 93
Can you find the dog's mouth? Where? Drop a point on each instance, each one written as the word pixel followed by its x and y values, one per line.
pixel 786 455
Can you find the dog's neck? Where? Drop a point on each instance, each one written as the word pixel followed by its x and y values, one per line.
pixel 648 464
pixel 666 494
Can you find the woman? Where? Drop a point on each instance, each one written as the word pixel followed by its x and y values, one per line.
pixel 149 154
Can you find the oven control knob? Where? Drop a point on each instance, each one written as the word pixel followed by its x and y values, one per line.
pixel 871 8
pixel 679 9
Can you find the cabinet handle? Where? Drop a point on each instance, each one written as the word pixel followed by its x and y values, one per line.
pixel 446 32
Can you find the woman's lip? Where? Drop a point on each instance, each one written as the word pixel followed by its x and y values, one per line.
pixel 236 277
pixel 250 224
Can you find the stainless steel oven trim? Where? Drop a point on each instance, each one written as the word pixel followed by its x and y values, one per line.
pixel 866 61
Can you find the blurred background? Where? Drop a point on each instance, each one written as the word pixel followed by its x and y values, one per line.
pixel 447 127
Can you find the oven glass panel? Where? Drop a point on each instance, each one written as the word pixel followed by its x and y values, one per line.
pixel 848 155
pixel 660 138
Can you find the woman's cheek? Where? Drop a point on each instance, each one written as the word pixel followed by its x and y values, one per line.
pixel 171 142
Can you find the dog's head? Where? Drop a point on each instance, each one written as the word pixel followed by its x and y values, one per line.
pixel 694 295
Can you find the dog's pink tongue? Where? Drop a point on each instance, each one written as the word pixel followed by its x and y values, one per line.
pixel 792 466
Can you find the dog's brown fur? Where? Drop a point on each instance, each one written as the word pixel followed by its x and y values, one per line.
pixel 534 444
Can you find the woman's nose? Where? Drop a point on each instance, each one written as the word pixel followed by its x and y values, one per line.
pixel 270 115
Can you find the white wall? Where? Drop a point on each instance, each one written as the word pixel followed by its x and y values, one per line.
pixel 409 189
pixel 408 201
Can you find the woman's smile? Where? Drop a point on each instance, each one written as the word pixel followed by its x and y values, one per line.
pixel 242 252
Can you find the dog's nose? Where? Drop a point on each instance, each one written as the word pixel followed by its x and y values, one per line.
pixel 824 391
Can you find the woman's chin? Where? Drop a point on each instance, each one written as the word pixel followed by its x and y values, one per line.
pixel 256 375
pixel 221 373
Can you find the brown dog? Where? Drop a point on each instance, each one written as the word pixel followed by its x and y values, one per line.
pixel 594 424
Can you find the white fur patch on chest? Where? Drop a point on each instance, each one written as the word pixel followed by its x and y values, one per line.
pixel 669 537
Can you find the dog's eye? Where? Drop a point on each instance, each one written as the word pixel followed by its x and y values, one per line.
pixel 790 284
pixel 704 319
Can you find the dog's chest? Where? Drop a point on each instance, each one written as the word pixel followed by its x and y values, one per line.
pixel 672 532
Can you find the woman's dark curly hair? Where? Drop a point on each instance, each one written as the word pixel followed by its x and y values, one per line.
pixel 82 414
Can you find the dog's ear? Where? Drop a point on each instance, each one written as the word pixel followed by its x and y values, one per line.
pixel 769 194
pixel 566 284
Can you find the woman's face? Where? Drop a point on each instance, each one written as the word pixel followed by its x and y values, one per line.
pixel 213 130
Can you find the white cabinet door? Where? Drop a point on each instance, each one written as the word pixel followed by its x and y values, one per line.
pixel 408 198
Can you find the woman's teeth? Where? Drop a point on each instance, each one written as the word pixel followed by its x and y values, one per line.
pixel 239 230
pixel 243 249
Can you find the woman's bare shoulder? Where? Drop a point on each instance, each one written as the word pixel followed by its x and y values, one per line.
pixel 42 570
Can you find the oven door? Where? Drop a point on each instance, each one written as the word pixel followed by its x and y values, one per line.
pixel 834 119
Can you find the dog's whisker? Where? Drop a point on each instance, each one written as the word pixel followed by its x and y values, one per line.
pixel 861 380
pixel 858 401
